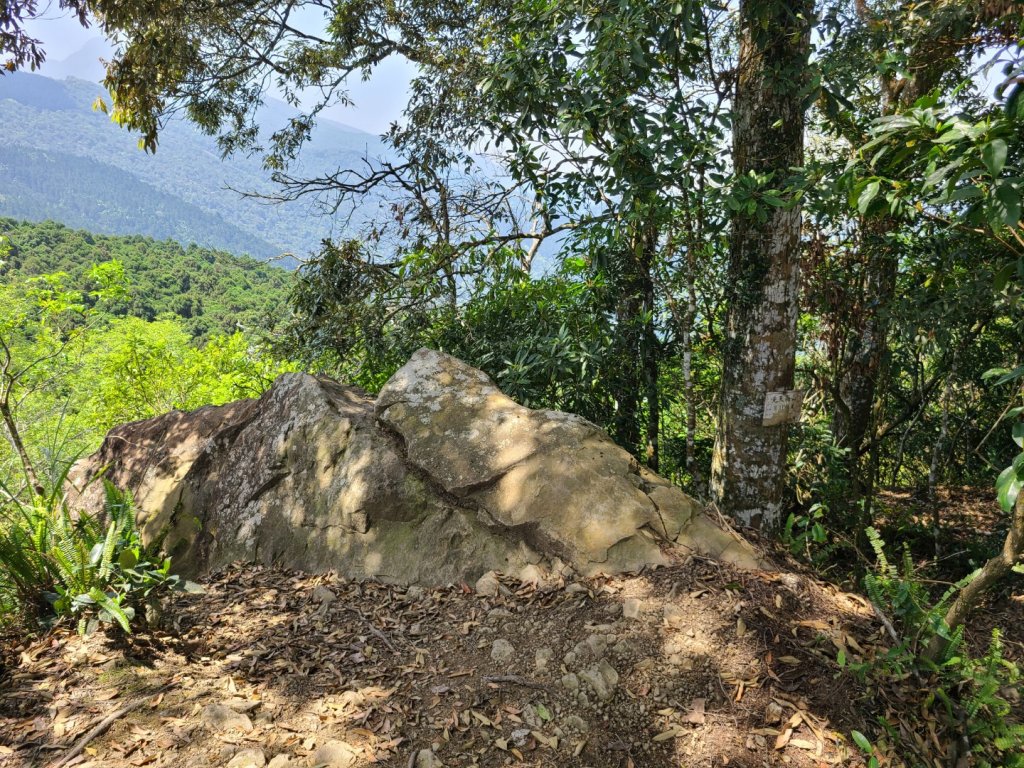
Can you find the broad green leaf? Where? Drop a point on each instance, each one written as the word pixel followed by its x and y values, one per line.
pixel 127 559
pixel 1008 204
pixel 1015 103
pixel 1016 373
pixel 867 196
pixel 939 175
pixel 1003 276
pixel 861 741
pixel 993 155
pixel 1008 486
pixel 971 192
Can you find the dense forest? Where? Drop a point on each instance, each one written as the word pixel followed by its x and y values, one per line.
pixel 39 185
pixel 208 292
pixel 106 329
pixel 784 267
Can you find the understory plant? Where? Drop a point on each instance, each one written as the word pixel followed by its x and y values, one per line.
pixel 968 701
pixel 92 569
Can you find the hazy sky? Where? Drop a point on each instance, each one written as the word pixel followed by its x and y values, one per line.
pixel 378 101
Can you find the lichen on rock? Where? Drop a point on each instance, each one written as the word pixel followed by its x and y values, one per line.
pixel 442 478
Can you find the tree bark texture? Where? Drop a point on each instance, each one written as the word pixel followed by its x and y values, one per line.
pixel 749 465
pixel 990 574
pixel 636 377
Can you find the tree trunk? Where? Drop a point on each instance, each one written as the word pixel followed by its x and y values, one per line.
pixel 990 574
pixel 14 437
pixel 865 360
pixel 690 318
pixel 864 371
pixel 626 380
pixel 649 348
pixel 749 466
pixel 636 376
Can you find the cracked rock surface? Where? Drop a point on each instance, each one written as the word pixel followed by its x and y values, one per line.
pixel 442 479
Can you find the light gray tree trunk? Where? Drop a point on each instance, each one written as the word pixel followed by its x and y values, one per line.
pixel 749 465
pixel 691 402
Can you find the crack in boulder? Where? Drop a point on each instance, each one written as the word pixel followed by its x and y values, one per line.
pixel 441 479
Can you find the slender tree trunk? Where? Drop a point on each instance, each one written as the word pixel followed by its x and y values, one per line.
pixel 864 372
pixel 689 318
pixel 7 381
pixel 749 465
pixel 694 222
pixel 865 361
pixel 627 383
pixel 990 574
pixel 938 458
pixel 649 347
pixel 636 378
pixel 653 394
pixel 14 437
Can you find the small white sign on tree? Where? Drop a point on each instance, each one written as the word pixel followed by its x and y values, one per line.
pixel 782 407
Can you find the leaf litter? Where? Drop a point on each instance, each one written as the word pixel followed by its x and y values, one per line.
pixel 711 666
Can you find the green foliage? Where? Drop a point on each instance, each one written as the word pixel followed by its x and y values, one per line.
pixel 894 587
pixel 131 369
pixel 209 292
pixel 1011 479
pixel 91 569
pixel 77 370
pixel 933 153
pixel 545 341
pixel 79 192
pixel 970 698
pixel 816 529
pixel 806 535
pixel 865 746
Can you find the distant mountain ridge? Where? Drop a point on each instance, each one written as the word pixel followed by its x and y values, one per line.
pixel 62 160
pixel 83 63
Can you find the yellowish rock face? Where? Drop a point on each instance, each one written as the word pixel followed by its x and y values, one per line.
pixel 441 479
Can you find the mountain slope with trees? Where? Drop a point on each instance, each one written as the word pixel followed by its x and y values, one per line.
pixel 210 292
pixel 788 269
pixel 66 161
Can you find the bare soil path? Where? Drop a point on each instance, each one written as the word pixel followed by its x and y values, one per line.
pixel 695 665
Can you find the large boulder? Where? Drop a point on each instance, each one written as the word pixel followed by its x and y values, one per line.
pixel 441 479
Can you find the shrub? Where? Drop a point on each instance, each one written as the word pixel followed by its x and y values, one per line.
pixel 968 698
pixel 93 568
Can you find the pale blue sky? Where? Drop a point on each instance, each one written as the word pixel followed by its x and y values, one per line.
pixel 377 102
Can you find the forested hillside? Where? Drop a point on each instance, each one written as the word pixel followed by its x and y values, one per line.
pixel 210 292
pixel 66 161
pixel 77 191
pixel 784 272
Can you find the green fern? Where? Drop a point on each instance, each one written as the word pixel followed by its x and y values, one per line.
pixel 961 692
pixel 54 563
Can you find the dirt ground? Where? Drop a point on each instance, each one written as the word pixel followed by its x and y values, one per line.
pixel 694 665
pixel 973 527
